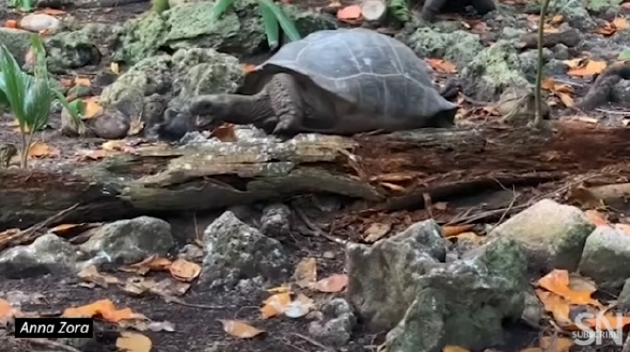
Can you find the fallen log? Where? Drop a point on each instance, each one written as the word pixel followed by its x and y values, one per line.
pixel 393 170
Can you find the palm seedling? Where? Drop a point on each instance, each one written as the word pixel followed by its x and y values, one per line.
pixel 24 5
pixel 273 16
pixel 29 97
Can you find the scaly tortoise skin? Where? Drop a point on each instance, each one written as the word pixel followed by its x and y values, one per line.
pixel 341 82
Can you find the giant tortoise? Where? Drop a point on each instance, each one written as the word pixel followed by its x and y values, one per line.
pixel 341 82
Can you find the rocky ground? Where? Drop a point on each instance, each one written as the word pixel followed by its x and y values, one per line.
pixel 414 290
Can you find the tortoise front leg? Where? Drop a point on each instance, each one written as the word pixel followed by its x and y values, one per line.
pixel 287 103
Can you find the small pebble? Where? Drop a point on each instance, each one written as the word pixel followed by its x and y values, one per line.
pixel 37 22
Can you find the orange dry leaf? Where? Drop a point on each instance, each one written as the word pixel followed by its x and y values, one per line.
pixel 442 65
pixel 239 329
pixel 556 344
pixel 620 23
pixel 562 91
pixel 591 68
pixel 225 133
pixel 151 263
pixel 557 281
pixel 104 308
pixel 454 230
pixel 184 270
pixel 605 320
pixel 82 81
pixel 42 150
pixel 557 19
pixel 275 305
pixel 248 67
pixel 334 283
pixel 557 306
pixel 305 274
pixel 133 342
pixel 12 24
pixel 6 311
pixel 92 107
pixel 349 13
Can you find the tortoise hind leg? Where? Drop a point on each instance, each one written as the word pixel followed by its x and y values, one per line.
pixel 287 103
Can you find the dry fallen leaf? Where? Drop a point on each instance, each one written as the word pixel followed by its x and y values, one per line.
pixel 82 81
pixel 558 282
pixel 299 307
pixel 305 274
pixel 133 342
pixel 136 126
pixel 275 305
pixel 115 68
pixel 225 133
pixel 248 67
pixel 376 231
pixel 91 274
pixel 334 283
pixel 454 230
pixel 239 329
pixel 442 65
pixel 454 349
pixel 184 270
pixel 151 263
pixel 43 150
pixel 349 13
pixel 106 309
pixel 92 108
pixel 591 68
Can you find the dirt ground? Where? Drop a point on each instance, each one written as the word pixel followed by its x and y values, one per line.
pixel 197 329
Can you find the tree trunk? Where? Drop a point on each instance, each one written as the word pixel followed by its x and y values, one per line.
pixel 392 170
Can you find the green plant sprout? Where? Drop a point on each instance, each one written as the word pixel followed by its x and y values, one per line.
pixel 273 16
pixel 29 97
pixel 24 5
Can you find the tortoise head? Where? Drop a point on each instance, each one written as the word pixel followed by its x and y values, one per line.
pixel 212 109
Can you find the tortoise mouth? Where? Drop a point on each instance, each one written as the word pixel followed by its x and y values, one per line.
pixel 206 122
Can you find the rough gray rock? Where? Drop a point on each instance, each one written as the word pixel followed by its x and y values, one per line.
pixel 48 254
pixel 459 47
pixel 189 72
pixel 17 41
pixel 236 251
pixel 129 241
pixel 464 303
pixel 551 234
pixel 239 32
pixel 492 70
pixel 382 278
pixel 336 323
pixel 276 220
pixel 75 49
pixel 606 256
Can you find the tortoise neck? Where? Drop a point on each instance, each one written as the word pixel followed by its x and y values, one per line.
pixel 248 109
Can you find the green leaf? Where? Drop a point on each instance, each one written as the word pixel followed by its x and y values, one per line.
pixel 272 30
pixel 77 107
pixel 14 84
pixel 37 103
pixel 624 55
pixel 219 9
pixel 287 25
